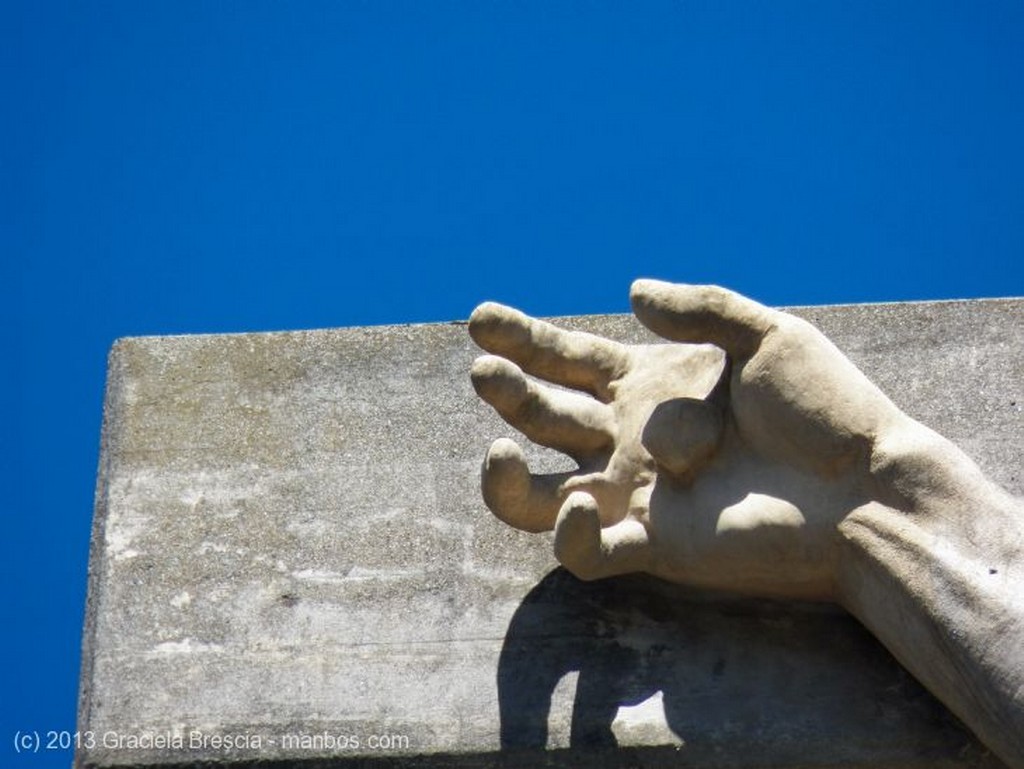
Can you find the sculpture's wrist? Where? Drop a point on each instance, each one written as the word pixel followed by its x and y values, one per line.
pixel 916 470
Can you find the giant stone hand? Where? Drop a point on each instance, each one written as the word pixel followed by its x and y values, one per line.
pixel 721 470
pixel 753 456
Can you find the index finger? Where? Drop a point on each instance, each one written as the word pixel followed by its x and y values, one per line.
pixel 572 358
pixel 699 314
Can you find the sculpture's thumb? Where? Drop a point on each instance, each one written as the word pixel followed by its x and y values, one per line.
pixel 701 314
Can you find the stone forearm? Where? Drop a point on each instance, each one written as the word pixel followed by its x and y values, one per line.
pixel 953 618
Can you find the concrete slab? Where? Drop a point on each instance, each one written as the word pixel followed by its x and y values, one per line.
pixel 292 566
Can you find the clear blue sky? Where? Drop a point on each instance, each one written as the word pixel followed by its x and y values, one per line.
pixel 177 167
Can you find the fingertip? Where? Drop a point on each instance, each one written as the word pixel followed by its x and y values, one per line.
pixel 484 312
pixel 580 503
pixel 656 303
pixel 498 381
pixel 490 322
pixel 640 295
pixel 504 452
pixel 505 481
pixel 579 520
pixel 480 319
pixel 642 289
pixel 511 493
pixel 489 366
pixel 663 297
pixel 578 535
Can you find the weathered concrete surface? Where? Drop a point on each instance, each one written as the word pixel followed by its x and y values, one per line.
pixel 290 543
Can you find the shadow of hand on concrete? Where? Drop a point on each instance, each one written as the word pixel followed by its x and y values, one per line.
pixel 658 666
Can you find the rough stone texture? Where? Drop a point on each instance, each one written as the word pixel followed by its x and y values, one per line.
pixel 290 543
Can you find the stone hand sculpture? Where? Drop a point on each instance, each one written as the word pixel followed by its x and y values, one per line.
pixel 755 457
